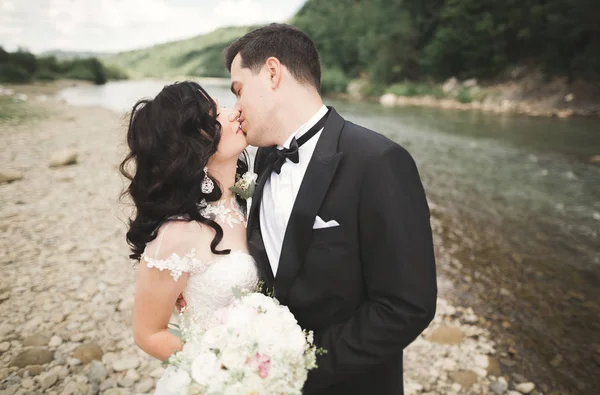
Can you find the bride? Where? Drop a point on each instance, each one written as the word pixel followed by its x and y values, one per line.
pixel 189 230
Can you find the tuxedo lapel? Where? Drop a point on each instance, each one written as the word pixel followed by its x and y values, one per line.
pixel 314 187
pixel 253 232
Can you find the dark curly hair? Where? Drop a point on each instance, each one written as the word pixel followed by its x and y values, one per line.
pixel 171 138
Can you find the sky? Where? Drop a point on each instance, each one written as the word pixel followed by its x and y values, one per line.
pixel 120 25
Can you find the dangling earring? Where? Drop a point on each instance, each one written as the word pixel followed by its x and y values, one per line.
pixel 207 184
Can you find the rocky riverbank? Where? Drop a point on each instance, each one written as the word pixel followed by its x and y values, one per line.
pixel 527 94
pixel 66 285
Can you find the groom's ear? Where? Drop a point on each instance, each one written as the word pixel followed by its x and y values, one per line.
pixel 274 71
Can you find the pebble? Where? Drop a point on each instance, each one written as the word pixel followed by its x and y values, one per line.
pixel 64 157
pixel 108 383
pixel 77 337
pixel 32 356
pixel 55 341
pixel 97 372
pixel 499 386
pixel 70 389
pixel 27 383
pixel 145 385
pixel 518 378
pixel 7 176
pixel 47 380
pixel 125 364
pixel 525 388
pixel 88 352
pixel 36 340
pixel 35 370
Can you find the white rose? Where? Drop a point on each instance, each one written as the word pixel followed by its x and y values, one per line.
pixel 176 381
pixel 253 384
pixel 233 358
pixel 234 389
pixel 204 366
pixel 215 337
pixel 240 316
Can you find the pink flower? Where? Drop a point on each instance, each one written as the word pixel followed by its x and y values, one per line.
pixel 260 362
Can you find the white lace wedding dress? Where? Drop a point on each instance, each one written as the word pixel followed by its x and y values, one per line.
pixel 209 289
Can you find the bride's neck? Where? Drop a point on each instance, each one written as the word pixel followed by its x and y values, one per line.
pixel 224 174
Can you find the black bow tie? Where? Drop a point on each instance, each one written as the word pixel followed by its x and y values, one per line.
pixel 278 157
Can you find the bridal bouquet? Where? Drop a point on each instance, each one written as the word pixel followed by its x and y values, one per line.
pixel 257 348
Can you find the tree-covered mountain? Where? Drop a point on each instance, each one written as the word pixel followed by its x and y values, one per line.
pixel 197 56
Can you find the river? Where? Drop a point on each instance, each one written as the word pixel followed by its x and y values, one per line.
pixel 519 209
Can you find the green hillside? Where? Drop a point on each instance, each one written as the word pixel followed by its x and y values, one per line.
pixel 198 56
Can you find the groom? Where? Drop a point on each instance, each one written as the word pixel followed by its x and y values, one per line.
pixel 339 223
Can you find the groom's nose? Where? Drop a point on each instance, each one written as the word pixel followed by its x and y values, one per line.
pixel 236 115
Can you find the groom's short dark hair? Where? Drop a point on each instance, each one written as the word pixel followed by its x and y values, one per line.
pixel 294 49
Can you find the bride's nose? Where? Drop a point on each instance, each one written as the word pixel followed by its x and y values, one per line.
pixel 226 113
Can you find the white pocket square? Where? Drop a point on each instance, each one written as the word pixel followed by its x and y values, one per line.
pixel 320 224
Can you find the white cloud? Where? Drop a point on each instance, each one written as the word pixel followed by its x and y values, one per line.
pixel 115 25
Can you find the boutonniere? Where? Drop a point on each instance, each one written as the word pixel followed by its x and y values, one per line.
pixel 245 185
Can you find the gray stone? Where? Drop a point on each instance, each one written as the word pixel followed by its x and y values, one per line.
pixel 97 372
pixel 88 352
pixel 144 386
pixel 36 340
pixel 61 371
pixel 47 380
pixel 595 159
pixel 465 378
pixel 108 383
pixel 12 390
pixel 126 364
pixel 4 296
pixel 5 329
pixel 27 383
pixel 518 378
pixel 450 85
pixel 499 386
pixel 73 362
pixel 356 88
pixel 4 372
pixel 525 388
pixel 70 389
pixel 388 100
pixel 117 391
pixel 32 324
pixel 77 337
pixel 126 382
pixel 446 335
pixel 109 358
pixel 7 175
pixel 470 83
pixel 63 157
pixel 35 370
pixel 557 360
pixel 157 373
pixel 55 341
pixel 4 347
pixel 33 356
pixel 133 374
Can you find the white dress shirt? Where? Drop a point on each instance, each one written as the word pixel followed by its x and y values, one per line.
pixel 280 191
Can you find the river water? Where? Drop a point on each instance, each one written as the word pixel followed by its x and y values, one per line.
pixel 518 209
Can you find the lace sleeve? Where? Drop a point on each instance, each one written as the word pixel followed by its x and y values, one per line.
pixel 174 249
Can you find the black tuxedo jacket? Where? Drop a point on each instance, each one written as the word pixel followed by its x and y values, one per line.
pixel 367 288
